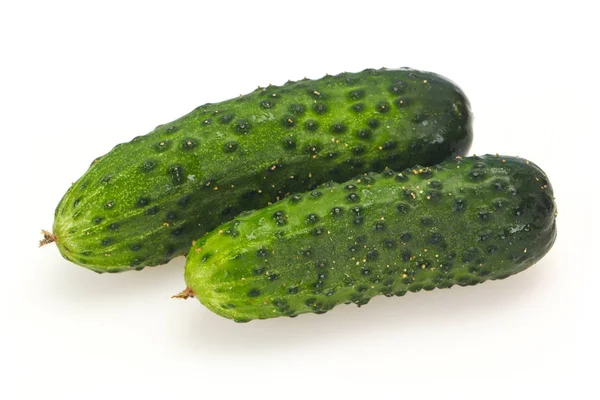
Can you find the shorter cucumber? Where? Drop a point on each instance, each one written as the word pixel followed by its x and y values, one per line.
pixel 461 222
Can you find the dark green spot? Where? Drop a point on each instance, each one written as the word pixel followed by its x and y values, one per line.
pixel 436 238
pixel 318 231
pixel 310 302
pixel 398 88
pixel 434 195
pixel 379 226
pixel 405 237
pixel 484 236
pixel 492 249
pixel 470 254
pixel 389 145
pixel 356 94
pixel 390 244
pixel 476 176
pixel 242 127
pixel 352 197
pixel 356 210
pixel 189 144
pixel 267 104
pixel 338 127
pixel 135 247
pixel 373 123
pixel 312 149
pixel 459 205
pixel 148 166
pixel 152 210
pixel 403 208
pixel 289 143
pixel 172 216
pixel 358 150
pixel 279 217
pixel 175 172
pixel 484 215
pixel 402 102
pixel 401 177
pixel 311 125
pixel 409 194
pixel 142 202
pixel 177 231
pixel 254 292
pixel 230 147
pixel 227 118
pixel 288 120
pixel 499 185
pixel 320 108
pixel 262 253
pixel 113 227
pixel 162 146
pixel 358 107
pixel 363 133
pixel 499 204
pixel 419 117
pixel 426 221
pixel 97 220
pixel 383 107
pixel 337 211
pixel 312 219
pixel 297 109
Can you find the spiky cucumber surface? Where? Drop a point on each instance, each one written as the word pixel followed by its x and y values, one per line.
pixel 145 201
pixel 461 222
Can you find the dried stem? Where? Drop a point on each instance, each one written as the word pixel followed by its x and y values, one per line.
pixel 186 294
pixel 48 238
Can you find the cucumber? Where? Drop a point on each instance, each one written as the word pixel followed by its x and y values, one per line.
pixel 145 201
pixel 461 222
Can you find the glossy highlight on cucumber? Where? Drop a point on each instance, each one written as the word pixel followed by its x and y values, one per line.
pixel 144 202
pixel 461 222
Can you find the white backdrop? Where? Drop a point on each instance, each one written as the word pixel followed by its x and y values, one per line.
pixel 76 78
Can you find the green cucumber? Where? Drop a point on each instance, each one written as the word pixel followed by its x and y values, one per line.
pixel 145 201
pixel 461 222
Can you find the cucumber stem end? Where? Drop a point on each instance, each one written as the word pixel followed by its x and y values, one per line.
pixel 48 238
pixel 186 294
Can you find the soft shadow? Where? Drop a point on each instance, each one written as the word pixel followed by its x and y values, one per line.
pixel 65 281
pixel 201 330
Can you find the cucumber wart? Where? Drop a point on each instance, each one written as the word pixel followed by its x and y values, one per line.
pixel 145 201
pixel 461 222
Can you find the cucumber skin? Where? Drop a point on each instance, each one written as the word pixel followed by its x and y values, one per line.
pixel 143 203
pixel 469 220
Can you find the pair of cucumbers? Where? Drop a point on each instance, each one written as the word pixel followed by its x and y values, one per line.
pixel 296 198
